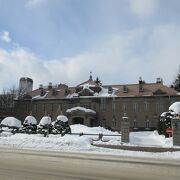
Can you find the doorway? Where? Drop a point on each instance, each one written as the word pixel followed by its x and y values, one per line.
pixel 78 120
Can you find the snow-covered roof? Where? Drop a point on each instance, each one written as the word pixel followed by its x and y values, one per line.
pixel 175 107
pixel 87 85
pixel 104 92
pixel 30 120
pixel 80 109
pixel 40 97
pixel 11 122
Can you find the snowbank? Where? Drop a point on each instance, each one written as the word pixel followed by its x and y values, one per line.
pixel 53 142
pixel 84 143
pixel 79 128
pixel 147 138
pixel 11 122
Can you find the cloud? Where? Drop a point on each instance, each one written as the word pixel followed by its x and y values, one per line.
pixel 4 36
pixel 117 60
pixel 33 3
pixel 143 8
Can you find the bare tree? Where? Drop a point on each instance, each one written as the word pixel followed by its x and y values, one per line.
pixel 7 102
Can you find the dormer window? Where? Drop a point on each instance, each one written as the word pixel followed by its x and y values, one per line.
pixel 110 90
pixel 159 92
pixel 125 89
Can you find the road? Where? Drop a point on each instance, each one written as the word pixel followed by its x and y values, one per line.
pixel 27 164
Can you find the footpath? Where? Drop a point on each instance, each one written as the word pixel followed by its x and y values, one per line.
pixel 139 148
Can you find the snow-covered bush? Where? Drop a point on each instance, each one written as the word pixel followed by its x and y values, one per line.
pixel 62 118
pixel 166 117
pixel 11 122
pixel 30 120
pixel 46 120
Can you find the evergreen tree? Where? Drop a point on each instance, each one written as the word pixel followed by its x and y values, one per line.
pixel 165 122
pixel 176 83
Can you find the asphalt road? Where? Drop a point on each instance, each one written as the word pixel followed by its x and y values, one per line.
pixel 26 164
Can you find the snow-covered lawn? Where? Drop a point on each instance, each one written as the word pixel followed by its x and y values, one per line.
pixel 84 143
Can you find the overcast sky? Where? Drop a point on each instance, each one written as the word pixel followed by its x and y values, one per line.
pixel 61 41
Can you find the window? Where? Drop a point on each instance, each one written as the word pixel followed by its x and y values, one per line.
pixel 124 107
pixel 146 106
pixel 159 107
pixel 135 107
pixel 103 103
pixel 113 122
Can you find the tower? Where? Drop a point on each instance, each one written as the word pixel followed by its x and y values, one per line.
pixel 25 85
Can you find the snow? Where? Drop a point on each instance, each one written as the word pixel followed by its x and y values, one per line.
pixel 175 107
pixel 163 114
pixel 45 120
pixel 41 97
pixel 87 85
pixel 104 93
pixel 62 118
pixel 80 109
pixel 30 120
pixel 147 138
pixel 76 143
pixel 11 122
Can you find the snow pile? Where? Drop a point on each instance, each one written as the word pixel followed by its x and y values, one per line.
pixel 62 118
pixel 113 140
pixel 78 108
pixel 45 120
pixel 30 120
pixel 147 138
pixel 79 128
pixel 53 142
pixel 11 122
pixel 175 107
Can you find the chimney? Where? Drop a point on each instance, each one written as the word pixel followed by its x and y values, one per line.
pixel 141 82
pixel 159 80
pixel 54 92
pixel 40 86
pixel 50 85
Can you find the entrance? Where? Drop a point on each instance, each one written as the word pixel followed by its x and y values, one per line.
pixel 78 120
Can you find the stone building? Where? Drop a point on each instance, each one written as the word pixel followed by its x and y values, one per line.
pixel 93 104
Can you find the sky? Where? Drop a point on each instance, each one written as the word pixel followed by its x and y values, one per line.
pixel 62 41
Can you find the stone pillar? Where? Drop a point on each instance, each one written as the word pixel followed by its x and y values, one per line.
pixel 125 126
pixel 176 131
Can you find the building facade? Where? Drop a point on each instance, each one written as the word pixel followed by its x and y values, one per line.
pixel 93 104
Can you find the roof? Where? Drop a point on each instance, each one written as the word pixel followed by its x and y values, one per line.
pixel 89 82
pixel 126 90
